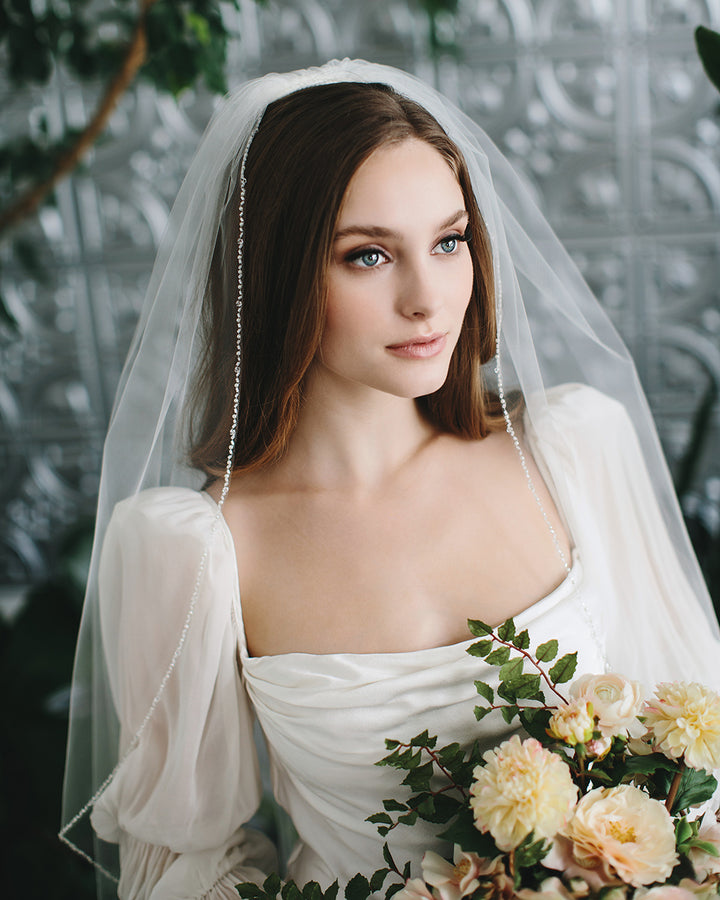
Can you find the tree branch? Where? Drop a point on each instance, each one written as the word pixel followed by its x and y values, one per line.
pixel 134 58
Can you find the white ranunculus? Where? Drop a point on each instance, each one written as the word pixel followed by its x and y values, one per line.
pixel 616 701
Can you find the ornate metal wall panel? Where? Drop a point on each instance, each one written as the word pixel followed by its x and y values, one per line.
pixel 601 104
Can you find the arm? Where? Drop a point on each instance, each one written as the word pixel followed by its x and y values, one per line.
pixel 178 803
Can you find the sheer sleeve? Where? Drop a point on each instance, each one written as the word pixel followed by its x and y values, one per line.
pixel 178 802
pixel 653 624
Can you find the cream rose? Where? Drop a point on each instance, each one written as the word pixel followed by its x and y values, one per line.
pixel 522 788
pixel 616 701
pixel 684 721
pixel 626 830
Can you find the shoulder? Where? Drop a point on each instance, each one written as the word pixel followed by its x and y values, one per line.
pixel 171 510
pixel 165 522
pixel 576 409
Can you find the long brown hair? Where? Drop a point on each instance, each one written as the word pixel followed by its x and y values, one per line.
pixel 309 145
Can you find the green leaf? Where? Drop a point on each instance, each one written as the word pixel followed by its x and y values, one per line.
pixel 358 888
pixel 696 786
pixel 506 631
pixel 522 640
pixel 706 847
pixel 564 668
pixel 450 754
pixel 332 892
pixel 652 762
pixel 387 856
pixel 481 648
pixel 200 27
pixel 391 745
pixel 462 831
pixel 481 712
pixel 378 879
pixel 509 713
pixel 498 657
pixel 312 891
pixel 683 831
pixel 380 819
pixel 507 692
pixel 272 884
pixel 418 779
pixel 535 722
pixel 530 852
pixel 485 691
pixel 445 808
pixel 290 891
pixel 406 870
pixel 511 670
pixel 707 42
pixel 526 687
pixel 394 806
pixel 423 740
pixel 547 651
pixel 409 819
pixel 393 889
pixel 250 891
pixel 426 809
pixel 478 628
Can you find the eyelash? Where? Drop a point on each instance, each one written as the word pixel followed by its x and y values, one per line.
pixel 356 255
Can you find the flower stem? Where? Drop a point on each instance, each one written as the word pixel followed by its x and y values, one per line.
pixel 672 793
pixel 531 659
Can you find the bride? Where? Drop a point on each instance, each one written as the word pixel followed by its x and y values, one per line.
pixel 368 399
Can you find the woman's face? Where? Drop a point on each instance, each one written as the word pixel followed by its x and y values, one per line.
pixel 401 274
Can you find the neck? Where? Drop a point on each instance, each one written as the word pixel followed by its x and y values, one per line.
pixel 353 438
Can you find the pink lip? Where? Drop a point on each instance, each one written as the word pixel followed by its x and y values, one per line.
pixel 420 348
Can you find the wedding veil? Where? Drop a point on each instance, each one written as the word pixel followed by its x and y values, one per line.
pixel 553 332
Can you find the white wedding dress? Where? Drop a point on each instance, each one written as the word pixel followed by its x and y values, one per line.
pixel 178 803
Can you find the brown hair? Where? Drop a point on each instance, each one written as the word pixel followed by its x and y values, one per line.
pixel 308 147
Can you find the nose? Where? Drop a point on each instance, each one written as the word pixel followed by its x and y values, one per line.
pixel 418 294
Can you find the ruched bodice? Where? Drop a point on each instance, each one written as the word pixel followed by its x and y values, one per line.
pixel 326 716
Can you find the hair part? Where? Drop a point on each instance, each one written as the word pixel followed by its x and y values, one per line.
pixel 306 150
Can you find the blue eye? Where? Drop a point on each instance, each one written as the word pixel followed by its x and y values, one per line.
pixel 449 244
pixel 366 259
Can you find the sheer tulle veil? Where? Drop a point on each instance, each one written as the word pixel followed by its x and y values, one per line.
pixel 553 332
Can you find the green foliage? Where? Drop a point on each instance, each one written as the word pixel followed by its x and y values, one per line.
pixel 696 787
pixel 529 853
pixel 187 42
pixel 707 42
pixel 564 668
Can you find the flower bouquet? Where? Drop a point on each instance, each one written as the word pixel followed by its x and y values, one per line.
pixel 600 800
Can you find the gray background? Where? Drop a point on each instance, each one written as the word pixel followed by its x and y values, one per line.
pixel 602 105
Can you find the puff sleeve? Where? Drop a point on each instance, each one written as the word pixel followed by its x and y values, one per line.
pixel 178 802
pixel 640 599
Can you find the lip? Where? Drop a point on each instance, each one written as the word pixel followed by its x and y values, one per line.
pixel 423 347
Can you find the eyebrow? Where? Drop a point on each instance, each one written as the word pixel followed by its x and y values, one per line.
pixel 377 231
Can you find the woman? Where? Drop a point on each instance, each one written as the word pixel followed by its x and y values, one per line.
pixel 340 270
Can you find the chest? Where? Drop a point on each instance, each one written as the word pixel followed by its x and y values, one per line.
pixel 400 573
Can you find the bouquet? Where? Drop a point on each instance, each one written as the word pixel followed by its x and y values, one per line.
pixel 600 800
